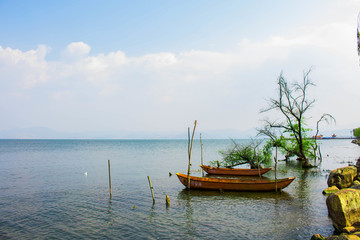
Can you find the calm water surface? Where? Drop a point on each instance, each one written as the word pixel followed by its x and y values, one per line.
pixel 44 193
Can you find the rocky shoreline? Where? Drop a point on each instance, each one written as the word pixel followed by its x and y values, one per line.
pixel 343 202
pixel 356 141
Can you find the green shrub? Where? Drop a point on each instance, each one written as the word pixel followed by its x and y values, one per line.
pixel 252 153
pixel 356 132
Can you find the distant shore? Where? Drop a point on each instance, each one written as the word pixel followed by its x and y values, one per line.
pixel 331 138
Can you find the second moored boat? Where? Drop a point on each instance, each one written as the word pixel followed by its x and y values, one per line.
pixel 234 171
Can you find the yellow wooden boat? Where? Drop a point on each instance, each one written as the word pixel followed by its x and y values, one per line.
pixel 234 184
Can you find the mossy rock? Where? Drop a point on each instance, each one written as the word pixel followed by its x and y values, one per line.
pixel 342 177
pixel 344 210
pixel 356 182
pixel 317 237
pixel 330 190
pixel 343 236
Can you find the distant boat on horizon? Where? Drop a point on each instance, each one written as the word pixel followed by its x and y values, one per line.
pixel 322 137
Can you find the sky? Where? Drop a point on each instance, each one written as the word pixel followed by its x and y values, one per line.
pixel 156 66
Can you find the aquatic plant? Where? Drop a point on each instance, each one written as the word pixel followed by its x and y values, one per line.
pixel 252 153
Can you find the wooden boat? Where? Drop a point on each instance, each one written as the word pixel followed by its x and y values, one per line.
pixel 234 184
pixel 234 171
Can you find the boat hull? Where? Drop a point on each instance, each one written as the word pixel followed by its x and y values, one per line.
pixel 234 184
pixel 234 171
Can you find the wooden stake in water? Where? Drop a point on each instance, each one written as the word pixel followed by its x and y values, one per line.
pixel 276 168
pixel 151 189
pixel 110 179
pixel 167 199
pixel 202 159
pixel 188 175
pixel 190 144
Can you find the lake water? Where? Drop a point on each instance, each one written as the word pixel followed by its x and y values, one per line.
pixel 44 193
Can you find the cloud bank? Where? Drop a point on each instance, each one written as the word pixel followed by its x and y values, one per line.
pixel 166 91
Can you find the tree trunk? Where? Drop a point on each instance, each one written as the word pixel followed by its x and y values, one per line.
pixel 301 149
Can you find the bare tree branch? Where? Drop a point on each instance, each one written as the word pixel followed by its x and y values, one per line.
pixel 292 101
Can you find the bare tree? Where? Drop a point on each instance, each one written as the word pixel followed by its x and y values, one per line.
pixel 292 101
pixel 327 118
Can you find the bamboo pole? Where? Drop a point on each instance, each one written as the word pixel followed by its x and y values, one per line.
pixel 202 158
pixel 110 180
pixel 151 189
pixel 188 175
pixel 190 144
pixel 276 151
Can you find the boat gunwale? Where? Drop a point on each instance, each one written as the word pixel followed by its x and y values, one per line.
pixel 234 171
pixel 235 181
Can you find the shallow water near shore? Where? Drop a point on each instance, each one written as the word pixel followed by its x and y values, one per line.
pixel 45 194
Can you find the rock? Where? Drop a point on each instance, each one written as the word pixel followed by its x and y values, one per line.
pixel 350 237
pixel 356 141
pixel 357 165
pixel 317 237
pixel 344 210
pixel 343 236
pixel 332 238
pixel 356 182
pixel 342 177
pixel 330 190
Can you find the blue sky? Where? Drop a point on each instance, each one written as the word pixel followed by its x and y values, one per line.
pixel 155 66
pixel 141 27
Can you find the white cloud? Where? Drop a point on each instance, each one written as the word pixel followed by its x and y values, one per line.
pixel 76 50
pixel 23 69
pixel 62 95
pixel 158 60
